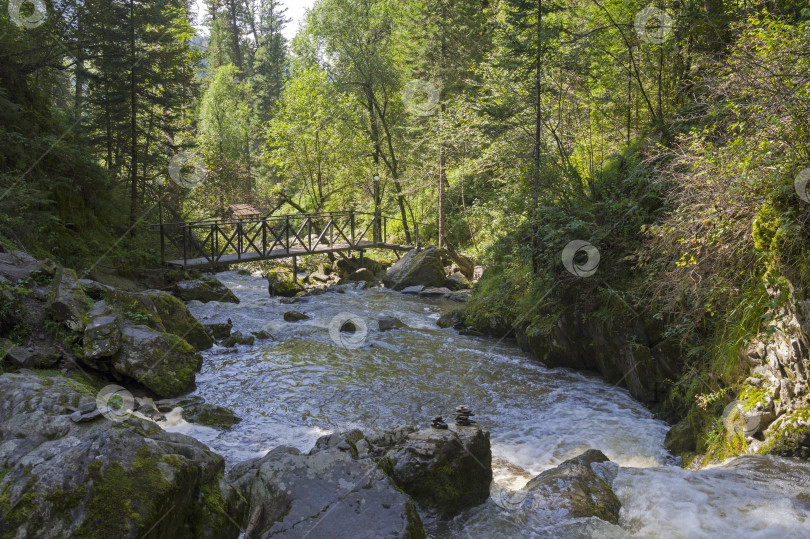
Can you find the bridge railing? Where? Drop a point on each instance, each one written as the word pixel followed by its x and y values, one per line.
pixel 256 238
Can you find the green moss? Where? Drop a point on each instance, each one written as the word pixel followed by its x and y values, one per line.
pixel 126 500
pixel 415 529
pixel 177 320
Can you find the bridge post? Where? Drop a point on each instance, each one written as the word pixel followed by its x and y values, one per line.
pixel 331 229
pixel 287 232
pixel 351 218
pixel 416 232
pixel 295 269
pixel 239 241
pixel 162 246
pixel 185 232
pixel 385 229
pixel 264 236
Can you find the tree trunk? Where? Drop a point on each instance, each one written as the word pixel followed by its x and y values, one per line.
pixel 235 35
pixel 536 148
pixel 133 194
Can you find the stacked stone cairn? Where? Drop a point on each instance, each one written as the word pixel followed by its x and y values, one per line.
pixel 438 423
pixel 463 414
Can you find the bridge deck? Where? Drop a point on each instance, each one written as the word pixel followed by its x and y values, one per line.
pixel 297 250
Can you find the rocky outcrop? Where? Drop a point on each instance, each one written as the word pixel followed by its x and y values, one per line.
pixel 164 363
pixel 574 489
pixel 97 478
pixel 416 268
pixel 205 289
pixel 444 471
pixel 325 494
pixel 771 412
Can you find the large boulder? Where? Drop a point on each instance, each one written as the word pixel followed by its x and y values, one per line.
pixel 325 494
pixel 164 363
pixel 162 312
pixel 577 488
pixel 97 478
pixel 205 289
pixel 445 471
pixel 67 302
pixel 416 268
pixel 177 319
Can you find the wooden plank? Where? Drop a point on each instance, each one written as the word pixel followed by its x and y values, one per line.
pixel 283 253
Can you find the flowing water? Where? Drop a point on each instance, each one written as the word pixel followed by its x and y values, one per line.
pixel 307 383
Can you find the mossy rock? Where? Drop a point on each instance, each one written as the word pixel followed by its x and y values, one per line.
pixel 108 479
pixel 164 363
pixel 210 415
pixel 295 316
pixel 238 338
pixel 204 289
pixel 445 471
pixel 280 283
pixel 178 320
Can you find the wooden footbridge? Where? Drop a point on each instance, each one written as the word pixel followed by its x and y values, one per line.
pixel 232 241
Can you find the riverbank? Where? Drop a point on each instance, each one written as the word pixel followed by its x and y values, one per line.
pixel 305 379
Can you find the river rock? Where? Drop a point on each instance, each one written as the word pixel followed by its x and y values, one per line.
pixel 295 316
pixel 238 338
pixel 326 494
pixel 386 323
pixel 220 330
pixel 210 415
pixel 432 292
pixel 102 479
pixel 318 277
pixel 416 268
pixel 574 489
pixel 67 302
pixel 280 283
pixel 164 363
pixel 412 289
pixel 205 289
pixel 445 471
pixel 363 274
pixel 457 281
pixel 345 267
